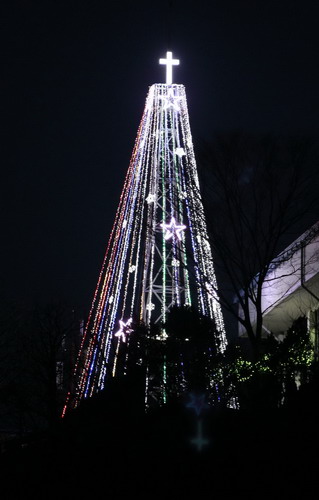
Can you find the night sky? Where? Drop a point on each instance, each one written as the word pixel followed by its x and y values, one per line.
pixel 75 75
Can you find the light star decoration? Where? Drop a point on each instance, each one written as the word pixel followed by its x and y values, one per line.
pixel 124 330
pixel 150 307
pixel 151 198
pixel 173 228
pixel 170 100
pixel 180 152
pixel 198 403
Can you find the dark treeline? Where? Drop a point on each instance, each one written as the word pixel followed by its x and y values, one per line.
pixel 38 349
pixel 260 194
pixel 262 405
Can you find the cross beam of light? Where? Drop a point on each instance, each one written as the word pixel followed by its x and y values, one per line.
pixel 169 62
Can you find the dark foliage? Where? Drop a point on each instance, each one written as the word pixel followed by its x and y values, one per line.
pixel 260 193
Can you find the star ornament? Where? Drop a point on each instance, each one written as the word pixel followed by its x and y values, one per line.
pixel 124 330
pixel 173 228
pixel 198 403
pixel 180 152
pixel 151 198
pixel 150 307
pixel 170 100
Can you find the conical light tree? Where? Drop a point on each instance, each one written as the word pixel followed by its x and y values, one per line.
pixel 158 254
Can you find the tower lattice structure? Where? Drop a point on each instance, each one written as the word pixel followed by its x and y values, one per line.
pixel 158 254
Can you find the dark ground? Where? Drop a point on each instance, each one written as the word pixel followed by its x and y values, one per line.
pixel 105 448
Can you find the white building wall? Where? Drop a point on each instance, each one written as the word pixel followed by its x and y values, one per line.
pixel 292 285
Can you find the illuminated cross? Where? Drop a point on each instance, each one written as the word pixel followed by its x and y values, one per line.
pixel 169 62
pixel 199 441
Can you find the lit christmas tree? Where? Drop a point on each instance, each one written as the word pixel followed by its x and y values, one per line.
pixel 158 255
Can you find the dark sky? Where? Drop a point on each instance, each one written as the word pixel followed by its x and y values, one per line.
pixel 75 75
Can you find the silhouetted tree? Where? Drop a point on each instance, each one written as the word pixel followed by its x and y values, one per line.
pixel 192 351
pixel 49 336
pixel 257 192
pixel 11 370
